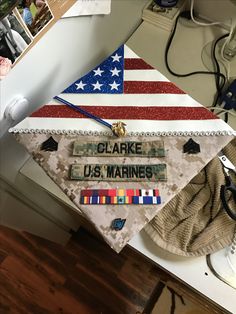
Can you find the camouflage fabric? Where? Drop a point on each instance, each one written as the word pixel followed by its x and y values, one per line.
pixel 181 169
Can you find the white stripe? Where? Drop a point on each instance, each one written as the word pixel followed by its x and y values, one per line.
pixel 128 53
pixel 144 75
pixel 140 200
pixel 142 100
pixel 132 125
pixel 149 192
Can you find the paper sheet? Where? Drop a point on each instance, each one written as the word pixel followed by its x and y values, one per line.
pixel 89 7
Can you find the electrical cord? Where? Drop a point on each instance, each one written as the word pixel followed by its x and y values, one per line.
pixel 218 75
pixel 218 85
pixel 183 14
pixel 233 24
pixel 222 111
pixel 198 22
pixel 215 23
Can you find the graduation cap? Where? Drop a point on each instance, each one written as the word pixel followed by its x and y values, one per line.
pixel 124 88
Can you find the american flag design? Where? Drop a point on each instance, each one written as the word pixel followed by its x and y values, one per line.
pixel 124 87
pixel 120 196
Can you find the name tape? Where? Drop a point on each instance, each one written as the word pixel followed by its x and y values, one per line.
pixel 111 148
pixel 105 172
pixel 120 196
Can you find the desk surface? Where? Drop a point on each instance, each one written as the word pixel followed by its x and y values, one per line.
pixel 185 56
pixel 191 271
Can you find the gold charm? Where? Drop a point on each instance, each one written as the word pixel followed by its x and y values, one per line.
pixel 118 129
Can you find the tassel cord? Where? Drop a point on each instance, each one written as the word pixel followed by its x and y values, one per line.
pixel 84 112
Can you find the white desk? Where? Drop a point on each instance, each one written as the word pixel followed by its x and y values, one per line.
pixel 185 56
pixel 190 271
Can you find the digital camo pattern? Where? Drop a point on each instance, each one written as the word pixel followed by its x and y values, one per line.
pixel 181 169
pixel 111 172
pixel 119 149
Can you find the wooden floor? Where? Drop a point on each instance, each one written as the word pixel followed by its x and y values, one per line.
pixel 86 276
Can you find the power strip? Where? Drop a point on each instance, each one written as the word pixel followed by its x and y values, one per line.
pixel 162 17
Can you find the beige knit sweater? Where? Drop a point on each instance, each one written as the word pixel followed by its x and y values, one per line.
pixel 194 223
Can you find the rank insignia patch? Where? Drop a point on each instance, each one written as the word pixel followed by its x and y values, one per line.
pixel 191 147
pixel 118 224
pixel 49 145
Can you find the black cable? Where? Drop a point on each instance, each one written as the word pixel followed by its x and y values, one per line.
pixel 226 117
pixel 218 86
pixel 218 75
pixel 183 14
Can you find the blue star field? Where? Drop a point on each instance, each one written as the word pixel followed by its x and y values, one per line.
pixel 107 78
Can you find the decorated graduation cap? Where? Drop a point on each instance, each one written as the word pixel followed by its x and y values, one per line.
pixel 119 140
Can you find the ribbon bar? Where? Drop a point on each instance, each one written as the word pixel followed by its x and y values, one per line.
pixel 120 196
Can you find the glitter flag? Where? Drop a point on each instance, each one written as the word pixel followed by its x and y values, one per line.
pixel 125 80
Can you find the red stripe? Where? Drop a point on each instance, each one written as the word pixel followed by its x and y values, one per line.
pixel 130 192
pixel 136 64
pixel 129 113
pixel 86 193
pixel 142 87
pixel 111 192
pixel 103 193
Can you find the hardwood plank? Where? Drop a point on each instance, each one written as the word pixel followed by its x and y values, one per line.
pixel 34 294
pixel 81 289
pixel 100 265
pixel 44 261
pixel 98 247
pixel 108 277
pixel 3 255
pixel 86 276
pixel 139 272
